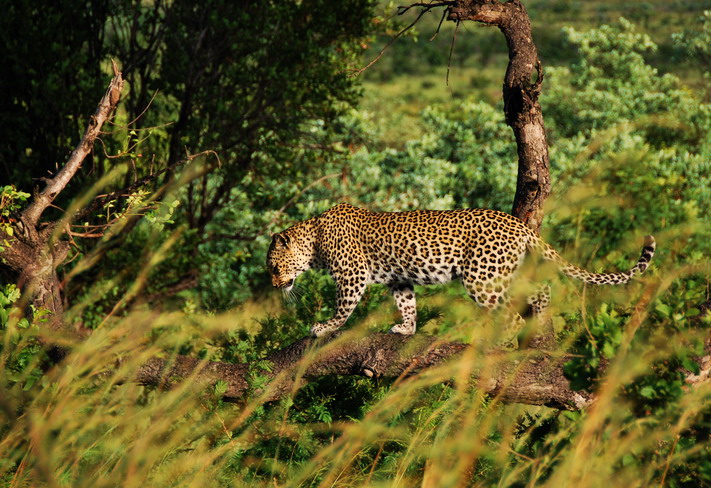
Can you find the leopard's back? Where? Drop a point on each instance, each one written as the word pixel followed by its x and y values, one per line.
pixel 422 246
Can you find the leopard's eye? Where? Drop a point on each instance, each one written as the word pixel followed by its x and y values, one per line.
pixel 275 271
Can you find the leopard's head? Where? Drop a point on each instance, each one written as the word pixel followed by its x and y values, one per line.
pixel 287 258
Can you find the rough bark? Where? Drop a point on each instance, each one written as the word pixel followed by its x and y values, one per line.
pixel 521 107
pixel 536 379
pixel 532 378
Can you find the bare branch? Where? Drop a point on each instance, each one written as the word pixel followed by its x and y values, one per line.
pixel 451 50
pixel 150 102
pixel 54 186
pixel 439 26
pixel 426 7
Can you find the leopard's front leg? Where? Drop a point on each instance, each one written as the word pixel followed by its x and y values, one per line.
pixel 404 295
pixel 349 294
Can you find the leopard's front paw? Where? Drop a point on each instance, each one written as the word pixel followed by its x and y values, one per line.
pixel 320 330
pixel 403 329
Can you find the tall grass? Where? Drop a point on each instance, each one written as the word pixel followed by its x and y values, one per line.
pixel 85 423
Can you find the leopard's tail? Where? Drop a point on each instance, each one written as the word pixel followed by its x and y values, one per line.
pixel 568 269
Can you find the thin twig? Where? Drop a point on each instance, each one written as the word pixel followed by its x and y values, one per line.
pixel 402 10
pixel 85 235
pixel 669 458
pixel 439 26
pixel 451 50
pixel 427 5
pixel 144 110
pixel 138 129
pixel 124 153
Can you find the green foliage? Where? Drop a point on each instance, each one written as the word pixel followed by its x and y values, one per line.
pixel 644 135
pixel 611 84
pixel 8 296
pixel 10 202
pixel 20 351
pixel 695 43
pixel 476 139
pixel 600 344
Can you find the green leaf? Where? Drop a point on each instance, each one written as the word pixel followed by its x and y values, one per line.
pixel 608 350
pixel 663 309
pixel 628 459
pixel 690 364
pixel 220 388
pixel 693 312
pixel 647 392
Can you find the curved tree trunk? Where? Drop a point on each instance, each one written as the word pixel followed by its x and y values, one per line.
pixel 521 107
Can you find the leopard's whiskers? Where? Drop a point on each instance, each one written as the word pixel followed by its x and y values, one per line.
pixel 293 296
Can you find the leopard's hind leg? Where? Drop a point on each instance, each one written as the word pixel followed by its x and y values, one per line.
pixel 492 294
pixel 543 335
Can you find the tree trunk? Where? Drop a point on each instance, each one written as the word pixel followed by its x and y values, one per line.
pixel 521 107
pixel 40 280
pixel 533 378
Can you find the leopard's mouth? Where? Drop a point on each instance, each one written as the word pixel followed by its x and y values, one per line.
pixel 286 285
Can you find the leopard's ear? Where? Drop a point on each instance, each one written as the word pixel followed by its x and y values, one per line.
pixel 280 240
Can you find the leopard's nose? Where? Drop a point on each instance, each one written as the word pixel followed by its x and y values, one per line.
pixel 278 283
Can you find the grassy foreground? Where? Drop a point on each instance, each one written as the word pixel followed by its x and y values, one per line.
pixel 86 423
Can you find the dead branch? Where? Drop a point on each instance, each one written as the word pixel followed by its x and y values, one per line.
pixel 41 201
pixel 426 7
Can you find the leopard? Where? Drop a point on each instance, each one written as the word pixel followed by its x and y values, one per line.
pixel 483 248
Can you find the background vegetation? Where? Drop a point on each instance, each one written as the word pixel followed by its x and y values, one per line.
pixel 265 85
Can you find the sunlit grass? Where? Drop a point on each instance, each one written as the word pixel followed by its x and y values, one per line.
pixel 86 423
